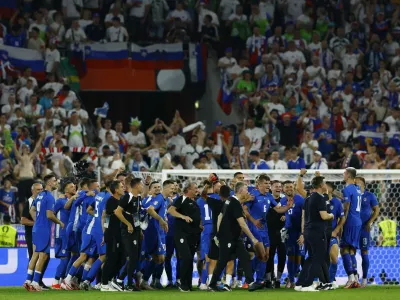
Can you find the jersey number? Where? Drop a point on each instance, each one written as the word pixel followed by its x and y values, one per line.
pixel 265 208
pixel 96 212
pixel 38 208
pixel 290 211
pixel 207 216
pixel 358 203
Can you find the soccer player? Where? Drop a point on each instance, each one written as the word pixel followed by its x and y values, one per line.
pixel 293 225
pixel 154 235
pixel 350 241
pixel 43 209
pixel 60 250
pixel 369 213
pixel 128 213
pixel 207 222
pixel 336 209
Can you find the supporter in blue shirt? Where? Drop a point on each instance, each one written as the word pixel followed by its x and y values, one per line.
pixel 296 162
pixel 47 100
pixel 257 162
pixel 17 38
pixel 326 137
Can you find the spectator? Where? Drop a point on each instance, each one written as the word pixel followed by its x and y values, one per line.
pixel 52 59
pixel 114 12
pixel 107 128
pixel 95 31
pixel 159 10
pixel 190 152
pixel 308 147
pixel 66 97
pixel 339 42
pixel 86 20
pixel 35 43
pixel 117 33
pixel 295 162
pixel 135 137
pixel 181 14
pixel 227 8
pixel 255 135
pixel 25 92
pixel 9 109
pixel 227 62
pixel 240 29
pixel 257 162
pixel 204 11
pixel 57 28
pixel 83 115
pixel 275 163
pixel 319 162
pixel 16 38
pixel 7 88
pixel 75 133
pixel 58 111
pixel 138 14
pixel 394 120
pixel 40 25
pixel 46 101
pixel 33 111
pixel 326 137
pixel 134 161
pixel 176 142
pixel 209 32
pixel 58 136
pixel 288 131
pixel 75 34
pixel 350 159
pixel 70 9
pixel 216 150
pixel 255 45
pixel 52 84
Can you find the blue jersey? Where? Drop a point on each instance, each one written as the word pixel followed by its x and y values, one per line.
pixel 43 202
pixel 99 204
pixel 76 210
pixel 262 165
pixel 259 207
pixel 205 212
pixel 160 206
pixel 368 202
pixel 352 194
pixel 8 198
pixel 89 201
pixel 293 215
pixel 84 215
pixel 297 164
pixel 63 215
pixel 336 209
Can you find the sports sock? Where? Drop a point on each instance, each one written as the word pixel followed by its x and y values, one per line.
pixel 332 271
pixel 347 263
pixel 93 270
pixel 61 268
pixel 365 265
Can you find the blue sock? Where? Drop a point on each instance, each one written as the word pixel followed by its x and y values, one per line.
pixel 37 276
pixel 148 271
pixel 72 271
pixel 144 265
pixel 347 264
pixel 71 261
pixel 332 271
pixel 291 267
pixel 93 270
pixel 261 267
pixel 61 268
pixel 365 265
pixel 85 273
pixel 80 271
pixel 29 275
pixel 254 262
pixel 204 274
pixel 354 263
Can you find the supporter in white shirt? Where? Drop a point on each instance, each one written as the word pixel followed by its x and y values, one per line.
pixel 237 70
pixel 9 108
pixel 308 146
pixel 176 142
pixel 25 92
pixel 69 95
pixel 75 34
pixel 350 59
pixel 135 137
pixel 267 7
pixel 58 111
pixel 70 8
pixel 255 134
pixel 227 62
pixel 179 13
pixel 292 57
pixel 238 15
pixel 319 162
pixel 50 121
pixel 33 109
pixel 57 28
pixel 275 163
pixel 203 11
pixel 83 115
pixel 191 151
pixel 351 130
pixel 275 104
pixel 117 32
pixel 52 58
pixel 316 72
pixel 347 97
pixel 256 41
pixel 52 84
pixel 105 129
pixel 86 20
pixel 25 77
pixel 315 45
pixel 138 8
pixel 216 150
pixel 115 12
pixel 227 8
pixel 7 88
pixel 294 9
pixel 75 133
pixel 394 121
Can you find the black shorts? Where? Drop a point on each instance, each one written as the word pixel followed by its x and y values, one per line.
pixel 213 253
pixel 248 245
pixel 228 249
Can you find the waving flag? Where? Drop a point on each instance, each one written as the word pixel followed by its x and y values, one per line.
pixel 225 96
pixel 197 62
pixel 102 111
pixel 158 56
pixel 20 58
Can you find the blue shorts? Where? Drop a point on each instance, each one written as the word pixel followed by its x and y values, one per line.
pixel 205 241
pixel 41 240
pixel 60 247
pixel 98 238
pixel 365 239
pixel 72 244
pixel 88 245
pixel 351 236
pixel 292 247
pixel 261 235
pixel 154 242
pixel 333 241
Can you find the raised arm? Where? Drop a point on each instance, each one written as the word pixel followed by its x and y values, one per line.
pixel 300 183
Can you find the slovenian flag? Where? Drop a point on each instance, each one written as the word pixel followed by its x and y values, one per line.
pixel 158 57
pixel 102 111
pixel 7 8
pixel 197 62
pixel 105 56
pixel 20 58
pixel 225 96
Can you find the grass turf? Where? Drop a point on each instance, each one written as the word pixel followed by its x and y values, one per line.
pixel 374 292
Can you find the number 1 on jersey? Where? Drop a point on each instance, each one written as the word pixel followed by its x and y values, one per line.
pixel 207 215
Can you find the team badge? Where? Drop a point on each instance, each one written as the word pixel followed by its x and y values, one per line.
pixel 134 242
pixel 331 207
pixel 155 202
pixel 229 245
pixel 181 240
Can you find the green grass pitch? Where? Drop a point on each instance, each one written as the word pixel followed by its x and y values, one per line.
pixel 374 292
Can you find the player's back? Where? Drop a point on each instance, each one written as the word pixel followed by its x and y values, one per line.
pixel 294 214
pixel 352 194
pixel 76 210
pixel 99 203
pixel 62 214
pixel 368 202
pixel 43 202
pixel 84 215
pixel 205 211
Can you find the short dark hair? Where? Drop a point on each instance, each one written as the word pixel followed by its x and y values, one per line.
pixel 287 182
pixel 121 174
pixel 275 181
pixel 352 172
pixel 107 184
pixel 135 182
pixel 114 185
pixel 317 181
pixel 237 173
pixel 331 184
pixel 65 185
pixel 83 182
pixel 225 191
pixel 6 219
pixel 167 182
pixel 48 177
pixel 91 181
pixel 153 183
pixel 263 177
pixel 361 179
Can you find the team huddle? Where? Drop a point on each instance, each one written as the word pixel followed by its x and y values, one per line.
pixel 125 235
